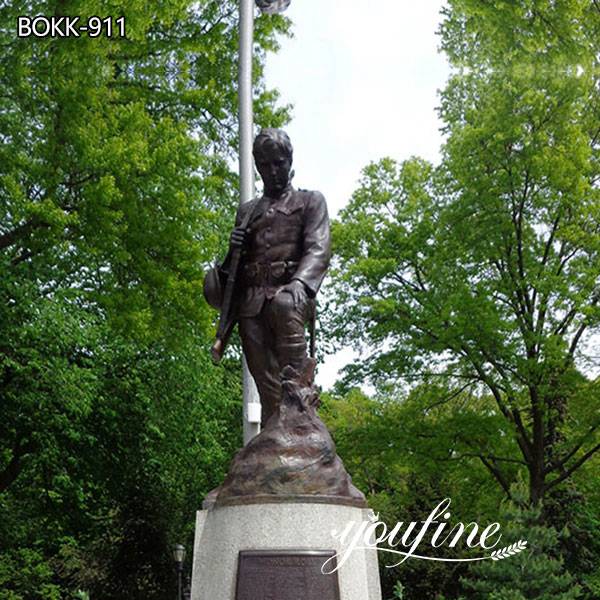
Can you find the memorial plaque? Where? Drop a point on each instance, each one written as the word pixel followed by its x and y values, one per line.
pixel 285 575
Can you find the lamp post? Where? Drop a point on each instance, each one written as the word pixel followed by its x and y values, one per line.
pixel 178 558
pixel 187 590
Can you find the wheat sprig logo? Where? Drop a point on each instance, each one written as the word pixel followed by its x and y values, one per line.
pixel 509 550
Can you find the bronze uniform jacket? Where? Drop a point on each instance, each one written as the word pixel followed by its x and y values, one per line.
pixel 292 229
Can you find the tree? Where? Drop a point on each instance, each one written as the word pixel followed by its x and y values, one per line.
pixel 537 572
pixel 115 188
pixel 110 181
pixel 484 272
pixel 373 440
pixel 408 452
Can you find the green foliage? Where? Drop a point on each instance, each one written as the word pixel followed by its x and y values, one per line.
pixel 116 191
pixel 398 591
pixel 484 271
pixel 407 454
pixel 410 452
pixel 472 289
pixel 537 573
pixel 109 176
pixel 25 574
pixel 124 477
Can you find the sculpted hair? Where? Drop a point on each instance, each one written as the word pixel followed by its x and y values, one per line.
pixel 278 137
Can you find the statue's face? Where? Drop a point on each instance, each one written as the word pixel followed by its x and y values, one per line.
pixel 274 167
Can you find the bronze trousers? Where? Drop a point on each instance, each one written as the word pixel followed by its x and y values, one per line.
pixel 272 340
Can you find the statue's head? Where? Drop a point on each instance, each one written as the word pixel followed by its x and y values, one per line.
pixel 273 154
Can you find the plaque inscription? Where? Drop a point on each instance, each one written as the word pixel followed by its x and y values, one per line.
pixel 285 575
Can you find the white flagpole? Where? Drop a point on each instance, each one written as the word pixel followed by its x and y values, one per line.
pixel 246 125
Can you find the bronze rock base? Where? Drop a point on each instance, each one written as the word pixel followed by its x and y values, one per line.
pixel 293 459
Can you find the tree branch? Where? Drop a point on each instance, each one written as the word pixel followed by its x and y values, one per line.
pixel 564 324
pixel 494 458
pixel 518 223
pixel 573 467
pixel 543 307
pixel 452 395
pixel 512 415
pixel 580 331
pixel 563 461
pixel 497 474
pixel 19 232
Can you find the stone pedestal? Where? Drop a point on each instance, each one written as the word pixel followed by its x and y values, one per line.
pixel 223 531
pixel 285 494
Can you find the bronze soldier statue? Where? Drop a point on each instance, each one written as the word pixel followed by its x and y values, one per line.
pixel 283 245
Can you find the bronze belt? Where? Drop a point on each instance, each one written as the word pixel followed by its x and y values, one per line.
pixel 271 273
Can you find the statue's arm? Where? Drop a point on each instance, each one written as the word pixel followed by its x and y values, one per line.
pixel 316 244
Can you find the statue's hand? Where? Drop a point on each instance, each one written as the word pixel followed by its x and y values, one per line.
pixel 238 237
pixel 298 291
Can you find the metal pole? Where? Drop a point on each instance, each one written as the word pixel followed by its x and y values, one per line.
pixel 246 124
pixel 179 580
